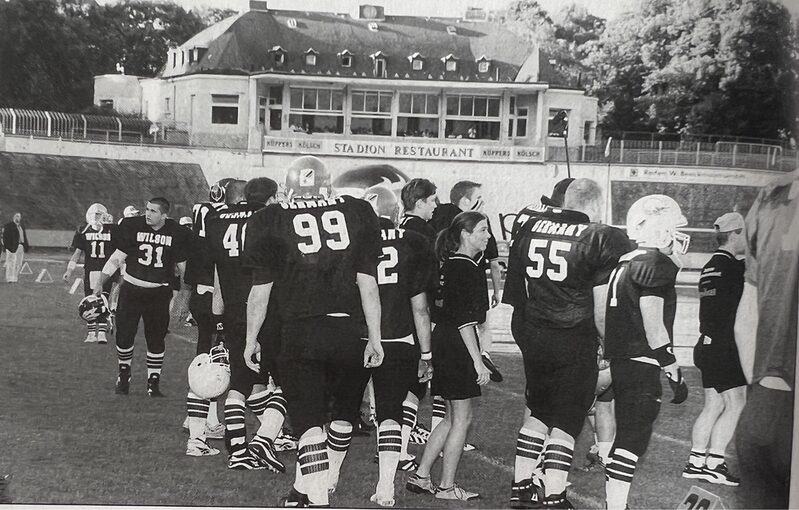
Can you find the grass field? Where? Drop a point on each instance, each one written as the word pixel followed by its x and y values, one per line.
pixel 68 439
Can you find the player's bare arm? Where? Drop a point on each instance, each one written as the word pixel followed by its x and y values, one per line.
pixel 421 320
pixel 217 303
pixel 746 329
pixel 370 301
pixel 115 261
pixel 600 299
pixel 496 282
pixel 257 303
pixel 72 264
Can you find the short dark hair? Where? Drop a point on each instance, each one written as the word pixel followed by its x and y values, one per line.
pixel 163 204
pixel 416 189
pixel 260 190
pixel 462 189
pixel 234 191
pixel 448 240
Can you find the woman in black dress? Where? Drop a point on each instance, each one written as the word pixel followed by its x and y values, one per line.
pixel 458 370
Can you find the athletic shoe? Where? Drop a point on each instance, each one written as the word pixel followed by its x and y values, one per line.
pixel 264 451
pixel 697 472
pixel 558 501
pixel 199 448
pixel 152 385
pixel 91 338
pixel 419 434
pixel 456 493
pixel 101 338
pixel 383 499
pixel 244 461
pixel 215 431
pixel 420 485
pixel 721 475
pixel 285 442
pixel 525 494
pixel 123 380
pixel 495 375
pixel 295 499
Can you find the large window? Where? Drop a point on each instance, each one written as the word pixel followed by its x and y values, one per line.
pixel 558 122
pixel 316 110
pixel 224 109
pixel 418 115
pixel 517 122
pixel 474 117
pixel 371 113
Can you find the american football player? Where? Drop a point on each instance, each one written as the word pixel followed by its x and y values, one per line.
pixel 558 269
pixel 640 308
pixel 316 256
pixel 94 238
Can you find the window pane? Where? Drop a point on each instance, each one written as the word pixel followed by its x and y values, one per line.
pixel 276 94
pixel 512 104
pixel 483 130
pixel 370 102
pixel 493 107
pixel 309 99
pixel 385 102
pixel 480 106
pixel 316 123
pixel 224 99
pixel 467 105
pixel 417 126
pixel 274 120
pixel 510 128
pixel 338 101
pixel 224 115
pixel 432 104
pixel 370 126
pixel 521 127
pixel 405 103
pixel 452 105
pixel 418 103
pixel 357 101
pixel 296 98
pixel 324 99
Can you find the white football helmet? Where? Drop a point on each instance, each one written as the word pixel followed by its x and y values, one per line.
pixel 96 214
pixel 209 373
pixel 653 220
pixel 92 308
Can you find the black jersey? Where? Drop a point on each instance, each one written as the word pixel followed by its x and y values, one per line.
pixel 312 251
pixel 555 261
pixel 224 242
pixel 417 224
pixel 460 298
pixel 642 272
pixel 533 210
pixel 720 287
pixel 95 245
pixel 407 268
pixel 152 254
pixel 199 270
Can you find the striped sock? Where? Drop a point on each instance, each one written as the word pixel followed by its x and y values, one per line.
pixel 235 427
pixel 714 459
pixel 312 456
pixel 102 325
pixel 389 447
pixel 557 462
pixel 92 327
pixel 409 410
pixel 697 458
pixel 439 411
pixel 154 363
pixel 619 475
pixel 257 403
pixel 339 435
pixel 273 416
pixel 124 356
pixel 529 446
pixel 198 411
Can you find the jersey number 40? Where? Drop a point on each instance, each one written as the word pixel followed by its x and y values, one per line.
pixel 307 226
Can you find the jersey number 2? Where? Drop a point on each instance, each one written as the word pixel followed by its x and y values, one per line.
pixel 333 222
pixel 388 261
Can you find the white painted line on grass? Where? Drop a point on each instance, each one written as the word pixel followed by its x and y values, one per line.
pixel 183 337
pixel 669 439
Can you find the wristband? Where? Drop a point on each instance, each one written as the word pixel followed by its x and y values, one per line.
pixel 664 355
pixel 427 356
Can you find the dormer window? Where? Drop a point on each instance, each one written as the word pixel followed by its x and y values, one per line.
pixel 379 59
pixel 279 54
pixel 450 63
pixel 417 61
pixel 291 22
pixel 372 26
pixel 346 58
pixel 483 64
pixel 451 30
pixel 310 57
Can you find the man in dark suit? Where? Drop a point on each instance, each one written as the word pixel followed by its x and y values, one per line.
pixel 15 240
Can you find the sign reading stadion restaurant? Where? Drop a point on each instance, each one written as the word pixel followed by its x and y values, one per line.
pixel 404 150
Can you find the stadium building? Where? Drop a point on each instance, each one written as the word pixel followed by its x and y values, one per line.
pixel 364 84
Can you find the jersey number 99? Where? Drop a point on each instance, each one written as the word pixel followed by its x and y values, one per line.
pixel 306 225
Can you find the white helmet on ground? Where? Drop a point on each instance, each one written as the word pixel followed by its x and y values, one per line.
pixel 209 374
pixel 95 214
pixel 653 220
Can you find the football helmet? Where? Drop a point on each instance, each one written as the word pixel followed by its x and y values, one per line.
pixel 130 211
pixel 95 214
pixel 653 220
pixel 383 201
pixel 209 373
pixel 307 176
pixel 92 308
pixel 217 192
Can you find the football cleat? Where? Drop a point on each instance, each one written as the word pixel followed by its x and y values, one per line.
pixel 697 472
pixel 244 461
pixel 419 485
pixel 295 499
pixel 209 373
pixel 456 493
pixel 558 501
pixel 525 494
pixel 285 441
pixel 101 338
pixel 92 308
pixel 419 434
pixel 199 448
pixel 153 383
pixel 91 338
pixel 721 475
pixel 264 451
pixel 496 375
pixel 123 380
